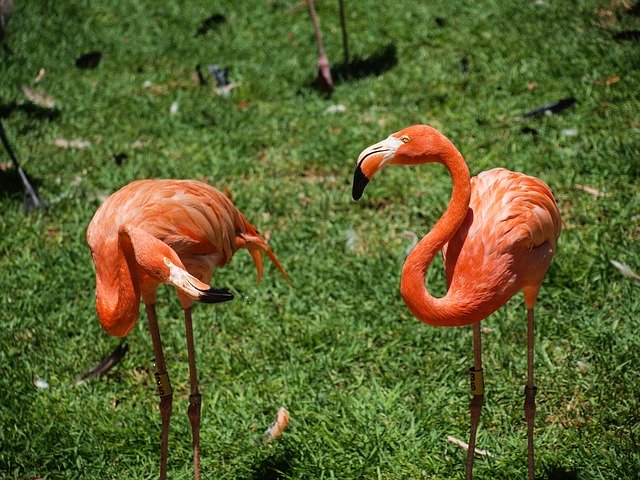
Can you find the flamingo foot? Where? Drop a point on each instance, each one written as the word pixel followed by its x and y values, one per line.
pixel 324 80
pixel 164 388
pixel 194 418
pixel 529 415
pixel 475 408
pixel 165 414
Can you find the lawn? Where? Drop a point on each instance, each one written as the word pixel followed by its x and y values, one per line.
pixel 373 393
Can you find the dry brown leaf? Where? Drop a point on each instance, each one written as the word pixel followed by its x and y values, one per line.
pixel 608 81
pixel 194 77
pixel 606 18
pixel 78 143
pixel 41 73
pixel 41 99
pixel 337 108
pixel 590 190
pixel 465 446
pixel 139 144
pixel 162 89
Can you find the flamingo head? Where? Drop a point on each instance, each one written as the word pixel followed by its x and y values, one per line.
pixel 410 146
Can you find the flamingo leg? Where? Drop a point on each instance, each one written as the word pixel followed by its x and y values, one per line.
pixel 324 70
pixel 477 389
pixel 345 40
pixel 195 397
pixel 164 388
pixel 530 394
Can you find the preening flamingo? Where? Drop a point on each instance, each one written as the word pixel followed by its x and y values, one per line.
pixel 498 236
pixel 166 231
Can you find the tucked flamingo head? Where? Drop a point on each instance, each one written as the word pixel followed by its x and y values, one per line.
pixel 163 265
pixel 410 146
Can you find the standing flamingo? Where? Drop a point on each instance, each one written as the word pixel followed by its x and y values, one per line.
pixel 324 80
pixel 498 237
pixel 166 231
pixel 6 9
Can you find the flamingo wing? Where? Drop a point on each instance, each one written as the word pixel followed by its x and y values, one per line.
pixel 506 241
pixel 193 218
pixel 186 218
pixel 196 220
pixel 513 210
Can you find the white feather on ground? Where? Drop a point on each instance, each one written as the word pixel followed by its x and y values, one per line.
pixel 625 270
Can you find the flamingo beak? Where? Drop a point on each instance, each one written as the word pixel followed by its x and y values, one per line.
pixel 370 161
pixel 194 288
pixel 215 295
pixel 359 183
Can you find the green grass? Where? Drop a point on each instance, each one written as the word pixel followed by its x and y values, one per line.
pixel 372 392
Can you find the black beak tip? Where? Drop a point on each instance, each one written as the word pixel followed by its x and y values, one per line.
pixel 359 183
pixel 216 295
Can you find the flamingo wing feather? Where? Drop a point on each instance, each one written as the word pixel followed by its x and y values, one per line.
pixel 506 241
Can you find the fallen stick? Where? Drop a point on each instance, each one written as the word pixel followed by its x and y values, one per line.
pixel 465 446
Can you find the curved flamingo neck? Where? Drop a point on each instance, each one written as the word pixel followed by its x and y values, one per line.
pixel 117 290
pixel 428 309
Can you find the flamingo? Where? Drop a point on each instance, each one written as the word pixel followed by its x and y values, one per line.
pixel 166 231
pixel 498 236
pixel 6 9
pixel 324 80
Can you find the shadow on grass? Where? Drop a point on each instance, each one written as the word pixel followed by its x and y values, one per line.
pixel 30 109
pixel 558 472
pixel 274 467
pixel 12 177
pixel 11 184
pixel 376 64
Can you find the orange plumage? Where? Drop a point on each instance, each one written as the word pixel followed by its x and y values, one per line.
pixel 504 245
pixel 194 220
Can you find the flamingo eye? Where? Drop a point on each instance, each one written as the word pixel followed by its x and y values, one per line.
pixel 404 138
